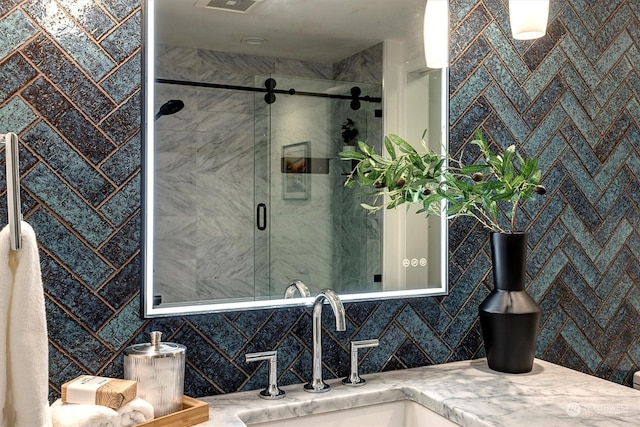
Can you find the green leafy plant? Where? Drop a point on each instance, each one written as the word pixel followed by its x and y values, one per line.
pixel 428 179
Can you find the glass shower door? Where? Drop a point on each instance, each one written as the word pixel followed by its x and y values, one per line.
pixel 314 229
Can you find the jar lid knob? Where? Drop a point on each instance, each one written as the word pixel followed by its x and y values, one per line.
pixel 156 337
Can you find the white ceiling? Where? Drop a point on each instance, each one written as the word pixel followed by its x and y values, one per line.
pixel 311 30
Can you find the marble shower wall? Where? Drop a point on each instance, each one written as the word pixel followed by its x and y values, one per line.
pixel 71 88
pixel 357 253
pixel 208 215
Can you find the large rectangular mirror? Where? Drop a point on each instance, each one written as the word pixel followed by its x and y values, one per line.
pixel 247 105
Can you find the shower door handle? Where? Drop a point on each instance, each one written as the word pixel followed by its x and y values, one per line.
pixel 261 217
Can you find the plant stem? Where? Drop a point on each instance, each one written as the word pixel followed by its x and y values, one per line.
pixel 484 220
pixel 513 216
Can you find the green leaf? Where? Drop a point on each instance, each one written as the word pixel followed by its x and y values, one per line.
pixel 528 168
pixel 403 145
pixel 507 164
pixel 370 207
pixel 363 177
pixel 433 171
pixel 463 186
pixel 535 178
pixel 416 160
pixel 471 169
pixel 493 209
pixel 492 186
pixel 480 137
pixel 503 196
pixel 351 155
pixel 519 179
pixel 389 146
pixel 431 198
pixel 379 159
pixel 364 147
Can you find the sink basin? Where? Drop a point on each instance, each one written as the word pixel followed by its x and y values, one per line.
pixel 401 413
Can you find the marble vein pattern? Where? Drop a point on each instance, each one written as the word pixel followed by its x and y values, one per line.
pixel 466 392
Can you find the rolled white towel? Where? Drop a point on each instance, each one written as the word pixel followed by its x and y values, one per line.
pixel 80 415
pixel 135 412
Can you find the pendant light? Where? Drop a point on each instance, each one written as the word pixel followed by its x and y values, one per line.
pixel 528 18
pixel 436 33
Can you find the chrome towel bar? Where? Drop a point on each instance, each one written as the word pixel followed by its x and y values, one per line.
pixel 10 140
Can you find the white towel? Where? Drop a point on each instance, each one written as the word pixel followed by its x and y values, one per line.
pixel 24 362
pixel 79 415
pixel 135 412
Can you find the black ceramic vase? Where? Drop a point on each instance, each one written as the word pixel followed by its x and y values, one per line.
pixel 509 318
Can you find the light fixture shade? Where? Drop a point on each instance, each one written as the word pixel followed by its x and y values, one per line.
pixel 528 18
pixel 436 33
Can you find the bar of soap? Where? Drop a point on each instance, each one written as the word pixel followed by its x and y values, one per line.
pixel 93 390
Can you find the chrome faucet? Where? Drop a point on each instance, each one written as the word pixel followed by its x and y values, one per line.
pixel 272 391
pixel 297 285
pixel 317 385
pixel 354 379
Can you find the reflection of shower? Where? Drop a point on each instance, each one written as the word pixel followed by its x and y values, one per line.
pixel 170 107
pixel 262 135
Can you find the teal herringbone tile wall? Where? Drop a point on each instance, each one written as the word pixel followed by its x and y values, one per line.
pixel 70 86
pixel 572 99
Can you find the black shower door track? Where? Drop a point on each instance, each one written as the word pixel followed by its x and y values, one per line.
pixel 272 90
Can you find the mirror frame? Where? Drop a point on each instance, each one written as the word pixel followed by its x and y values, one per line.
pixel 147 308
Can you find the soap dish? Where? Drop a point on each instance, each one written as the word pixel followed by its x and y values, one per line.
pixel 194 411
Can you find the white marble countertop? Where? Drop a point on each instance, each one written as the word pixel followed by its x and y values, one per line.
pixel 466 392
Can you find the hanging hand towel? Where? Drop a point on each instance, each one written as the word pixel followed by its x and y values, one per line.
pixel 24 364
pixel 80 415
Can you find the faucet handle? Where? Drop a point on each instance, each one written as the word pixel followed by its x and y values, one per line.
pixel 272 392
pixel 354 379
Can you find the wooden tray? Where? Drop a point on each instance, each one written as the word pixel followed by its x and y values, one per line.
pixel 193 412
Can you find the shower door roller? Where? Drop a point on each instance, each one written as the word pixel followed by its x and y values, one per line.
pixel 261 216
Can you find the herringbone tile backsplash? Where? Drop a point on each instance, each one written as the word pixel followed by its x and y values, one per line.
pixel 70 86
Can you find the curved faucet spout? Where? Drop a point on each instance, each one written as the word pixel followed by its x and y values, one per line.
pixel 297 285
pixel 317 385
pixel 336 305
